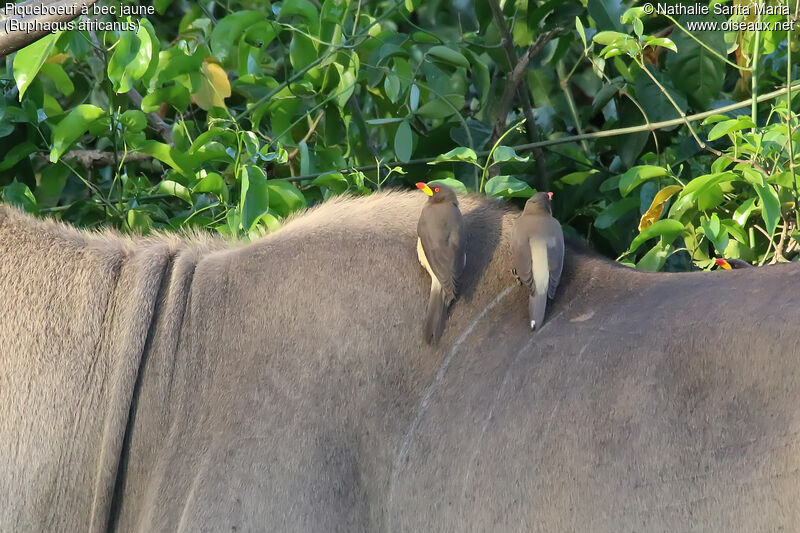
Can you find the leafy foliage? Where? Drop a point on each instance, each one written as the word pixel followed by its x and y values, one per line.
pixel 233 115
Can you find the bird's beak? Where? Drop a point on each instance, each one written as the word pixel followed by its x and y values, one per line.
pixel 424 188
pixel 550 196
pixel 724 264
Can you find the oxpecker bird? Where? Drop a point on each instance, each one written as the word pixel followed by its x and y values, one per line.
pixel 537 244
pixel 732 264
pixel 441 249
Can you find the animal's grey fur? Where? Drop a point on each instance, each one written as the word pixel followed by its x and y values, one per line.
pixel 277 392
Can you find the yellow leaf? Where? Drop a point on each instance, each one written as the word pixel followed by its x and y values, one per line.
pixel 657 207
pixel 58 58
pixel 214 87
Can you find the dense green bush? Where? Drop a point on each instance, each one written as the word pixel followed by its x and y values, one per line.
pixel 231 115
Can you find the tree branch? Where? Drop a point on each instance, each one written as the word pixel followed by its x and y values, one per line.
pixel 97 158
pixel 158 124
pixel 21 27
pixel 515 80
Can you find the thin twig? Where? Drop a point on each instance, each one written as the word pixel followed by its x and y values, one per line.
pixel 309 133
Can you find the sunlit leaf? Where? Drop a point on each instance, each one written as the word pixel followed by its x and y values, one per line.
pixel 656 208
pixel 508 187
pixel 667 229
pixel 29 60
pixel 72 127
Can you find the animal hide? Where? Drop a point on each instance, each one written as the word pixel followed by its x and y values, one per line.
pixel 176 384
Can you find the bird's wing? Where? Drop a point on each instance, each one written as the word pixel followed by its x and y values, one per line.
pixel 442 248
pixel 521 251
pixel 555 257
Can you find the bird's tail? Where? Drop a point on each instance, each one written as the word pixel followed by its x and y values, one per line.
pixel 435 315
pixel 537 302
pixel 536 306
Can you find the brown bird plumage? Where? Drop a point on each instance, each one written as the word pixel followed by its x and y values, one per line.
pixel 441 249
pixel 538 247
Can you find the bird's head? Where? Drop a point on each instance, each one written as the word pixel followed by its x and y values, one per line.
pixel 539 202
pixel 438 193
pixel 723 264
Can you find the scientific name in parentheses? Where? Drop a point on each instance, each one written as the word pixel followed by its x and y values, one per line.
pixel 758 8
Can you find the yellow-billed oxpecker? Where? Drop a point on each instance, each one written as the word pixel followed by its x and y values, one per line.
pixel 537 244
pixel 441 249
pixel 732 264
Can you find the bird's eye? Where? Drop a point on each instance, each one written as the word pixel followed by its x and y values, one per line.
pixel 436 189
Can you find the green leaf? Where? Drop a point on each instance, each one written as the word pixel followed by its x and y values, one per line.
pixel 715 232
pixel 61 80
pixel 30 59
pixel 403 142
pixel 614 211
pixel 175 95
pixel 695 71
pixel 576 178
pixel 638 175
pixel 442 108
pixel 652 99
pixel 51 184
pixel 302 9
pixel 581 31
pixel 726 127
pixel 606 13
pixel 461 153
pixel 413 97
pixel 660 41
pixel 666 228
pixel 162 5
pixel 735 230
pixel 347 80
pixel 130 60
pixel 139 221
pixel 254 198
pixel 134 120
pixel 380 121
pixel 453 183
pixel 508 187
pixel 72 127
pixel 20 195
pixel 713 119
pixel 212 183
pixel 448 55
pixel 742 212
pixel 231 28
pixel 391 86
pixel 17 154
pixel 770 206
pixel 507 153
pixel 302 51
pixel 177 159
pixel 284 198
pixel 175 189
pixel 334 181
pixel 654 259
pixel 610 37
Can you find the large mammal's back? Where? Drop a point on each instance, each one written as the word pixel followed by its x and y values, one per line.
pixel 307 400
pixel 285 386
